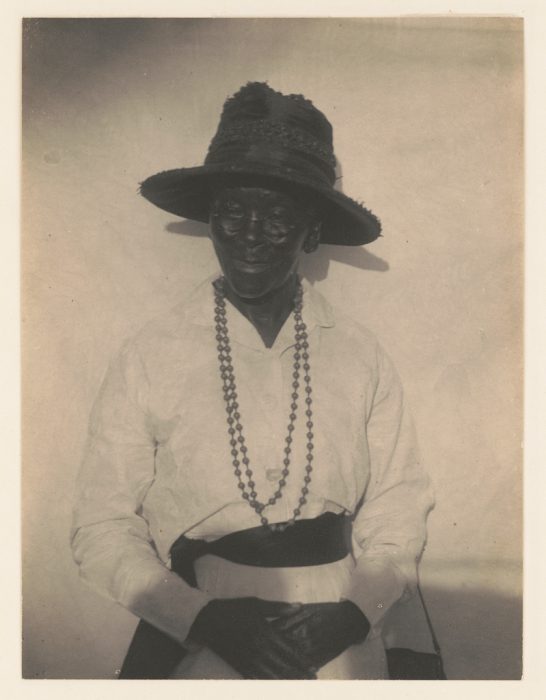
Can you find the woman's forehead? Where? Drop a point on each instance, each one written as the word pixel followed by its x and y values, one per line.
pixel 265 195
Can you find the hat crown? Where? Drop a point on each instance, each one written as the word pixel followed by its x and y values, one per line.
pixel 257 101
pixel 258 116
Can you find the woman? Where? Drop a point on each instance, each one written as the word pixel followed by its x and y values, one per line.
pixel 252 488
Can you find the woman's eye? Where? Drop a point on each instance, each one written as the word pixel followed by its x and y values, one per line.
pixel 275 233
pixel 280 222
pixel 232 208
pixel 278 215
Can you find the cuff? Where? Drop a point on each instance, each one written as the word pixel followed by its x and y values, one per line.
pixel 375 585
pixel 169 604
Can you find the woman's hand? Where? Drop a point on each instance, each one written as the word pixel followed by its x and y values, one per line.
pixel 322 631
pixel 239 631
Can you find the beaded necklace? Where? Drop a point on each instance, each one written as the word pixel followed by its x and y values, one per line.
pixel 239 450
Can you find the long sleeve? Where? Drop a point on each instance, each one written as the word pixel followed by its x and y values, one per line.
pixel 390 527
pixel 110 539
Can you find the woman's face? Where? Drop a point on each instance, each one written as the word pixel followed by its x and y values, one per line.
pixel 258 235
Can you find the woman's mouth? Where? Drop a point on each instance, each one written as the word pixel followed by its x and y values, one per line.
pixel 251 265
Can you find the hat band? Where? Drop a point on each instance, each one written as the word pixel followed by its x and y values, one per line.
pixel 273 161
pixel 278 132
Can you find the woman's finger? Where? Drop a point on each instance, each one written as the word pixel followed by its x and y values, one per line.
pixel 283 668
pixel 290 653
pixel 285 655
pixel 270 664
pixel 285 624
pixel 275 608
pixel 264 670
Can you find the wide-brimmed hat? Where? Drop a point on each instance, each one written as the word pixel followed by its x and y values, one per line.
pixel 267 137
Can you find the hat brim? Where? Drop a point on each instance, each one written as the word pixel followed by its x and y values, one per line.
pixel 186 192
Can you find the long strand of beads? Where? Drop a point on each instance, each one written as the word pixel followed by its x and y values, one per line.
pixel 239 450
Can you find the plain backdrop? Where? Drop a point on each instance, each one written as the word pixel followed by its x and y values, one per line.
pixel 428 130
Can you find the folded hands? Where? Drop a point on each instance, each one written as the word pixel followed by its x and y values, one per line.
pixel 275 640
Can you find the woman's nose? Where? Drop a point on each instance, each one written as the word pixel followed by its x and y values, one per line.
pixel 253 229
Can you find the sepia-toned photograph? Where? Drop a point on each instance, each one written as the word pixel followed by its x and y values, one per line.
pixel 272 348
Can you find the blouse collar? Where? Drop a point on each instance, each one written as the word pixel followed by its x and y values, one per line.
pixel 316 312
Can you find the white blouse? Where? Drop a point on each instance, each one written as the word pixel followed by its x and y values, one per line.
pixel 158 462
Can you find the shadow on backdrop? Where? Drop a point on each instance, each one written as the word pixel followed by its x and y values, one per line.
pixel 314 267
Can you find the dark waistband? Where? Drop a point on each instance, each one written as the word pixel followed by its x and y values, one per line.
pixel 312 542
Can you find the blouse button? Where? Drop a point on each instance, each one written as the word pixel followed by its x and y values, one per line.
pixel 270 401
pixel 273 474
